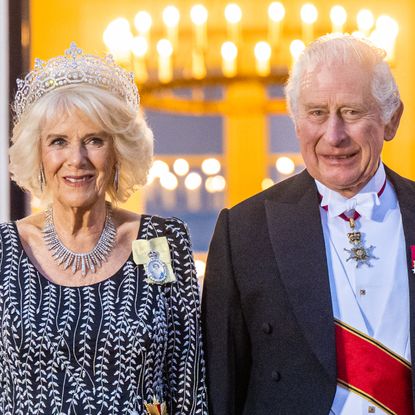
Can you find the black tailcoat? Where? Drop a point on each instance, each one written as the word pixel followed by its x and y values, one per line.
pixel 268 319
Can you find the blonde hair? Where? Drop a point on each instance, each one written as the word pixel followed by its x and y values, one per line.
pixel 132 138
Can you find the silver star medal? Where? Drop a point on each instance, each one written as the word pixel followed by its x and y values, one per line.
pixel 155 268
pixel 359 252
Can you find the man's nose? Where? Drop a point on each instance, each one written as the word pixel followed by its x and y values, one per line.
pixel 335 132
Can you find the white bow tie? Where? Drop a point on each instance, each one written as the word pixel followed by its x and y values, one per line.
pixel 363 203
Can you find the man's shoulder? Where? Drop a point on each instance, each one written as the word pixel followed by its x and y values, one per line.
pixel 398 180
pixel 288 190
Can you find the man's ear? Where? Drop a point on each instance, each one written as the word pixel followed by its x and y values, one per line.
pixel 392 126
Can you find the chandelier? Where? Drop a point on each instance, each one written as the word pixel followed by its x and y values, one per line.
pixel 177 47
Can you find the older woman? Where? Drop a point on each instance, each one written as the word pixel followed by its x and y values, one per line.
pixel 99 306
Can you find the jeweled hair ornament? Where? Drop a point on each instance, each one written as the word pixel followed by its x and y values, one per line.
pixel 74 68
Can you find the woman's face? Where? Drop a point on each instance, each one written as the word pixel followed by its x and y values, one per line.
pixel 78 159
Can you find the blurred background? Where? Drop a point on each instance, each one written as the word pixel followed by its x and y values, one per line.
pixel 211 76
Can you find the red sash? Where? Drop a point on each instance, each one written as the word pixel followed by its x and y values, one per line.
pixel 369 369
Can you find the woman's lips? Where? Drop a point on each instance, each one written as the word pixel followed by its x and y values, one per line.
pixel 78 180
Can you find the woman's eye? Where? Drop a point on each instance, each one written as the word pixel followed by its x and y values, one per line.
pixel 58 141
pixel 96 141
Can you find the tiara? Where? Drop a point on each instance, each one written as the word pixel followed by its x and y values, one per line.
pixel 74 68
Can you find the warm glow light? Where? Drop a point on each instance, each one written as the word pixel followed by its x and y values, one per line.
pixel 296 48
pixel 171 16
pixel 309 13
pixel 181 167
pixel 262 51
pixel 338 17
pixel 143 22
pixel 387 24
pixel 211 166
pixel 159 168
pixel 385 34
pixel 118 37
pixel 200 268
pixel 139 46
pixel 198 14
pixel 276 11
pixel 285 165
pixel 193 181
pixel 169 181
pixel 233 13
pixel 215 184
pixel 365 20
pixel 229 51
pixel 266 183
pixel 164 48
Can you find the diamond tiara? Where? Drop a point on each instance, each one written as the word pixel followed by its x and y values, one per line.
pixel 74 68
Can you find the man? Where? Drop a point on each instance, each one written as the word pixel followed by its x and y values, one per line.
pixel 306 296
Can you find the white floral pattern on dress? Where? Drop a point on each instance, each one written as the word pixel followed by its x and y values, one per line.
pixel 102 349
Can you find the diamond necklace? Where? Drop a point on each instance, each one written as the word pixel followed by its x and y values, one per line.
pixel 87 261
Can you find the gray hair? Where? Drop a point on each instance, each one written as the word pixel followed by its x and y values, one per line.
pixel 132 138
pixel 346 50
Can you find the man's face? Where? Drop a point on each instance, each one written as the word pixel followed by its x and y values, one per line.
pixel 339 127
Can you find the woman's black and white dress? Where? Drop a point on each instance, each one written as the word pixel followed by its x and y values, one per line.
pixel 107 348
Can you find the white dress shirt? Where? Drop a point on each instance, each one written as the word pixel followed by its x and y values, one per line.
pixel 375 299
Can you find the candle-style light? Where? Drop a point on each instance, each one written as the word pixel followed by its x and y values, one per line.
pixel 199 16
pixel 296 48
pixel 143 23
pixel 262 53
pixel 229 53
pixel 118 38
pixel 233 16
pixel 171 18
pixel 309 16
pixel 276 14
pixel 139 47
pixel 165 66
pixel 385 34
pixel 338 17
pixel 365 21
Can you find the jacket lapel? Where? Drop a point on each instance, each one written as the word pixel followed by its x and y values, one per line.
pixel 297 239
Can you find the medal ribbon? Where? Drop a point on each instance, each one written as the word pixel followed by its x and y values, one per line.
pixel 368 368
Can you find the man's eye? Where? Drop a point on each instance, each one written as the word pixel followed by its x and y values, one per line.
pixel 316 113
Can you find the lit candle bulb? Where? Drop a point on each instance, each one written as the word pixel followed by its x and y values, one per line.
pixel 143 23
pixel 296 48
pixel 233 15
pixel 171 18
pixel 139 48
pixel 165 67
pixel 338 17
pixel 385 35
pixel 276 14
pixel 118 37
pixel 262 58
pixel 309 16
pixel 365 21
pixel 199 16
pixel 229 53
